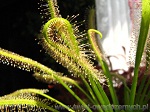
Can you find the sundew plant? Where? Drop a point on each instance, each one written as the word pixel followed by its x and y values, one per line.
pixel 75 50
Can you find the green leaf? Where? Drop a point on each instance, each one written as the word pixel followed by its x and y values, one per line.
pixel 145 23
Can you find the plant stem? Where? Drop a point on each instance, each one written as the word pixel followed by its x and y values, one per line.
pixel 74 94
